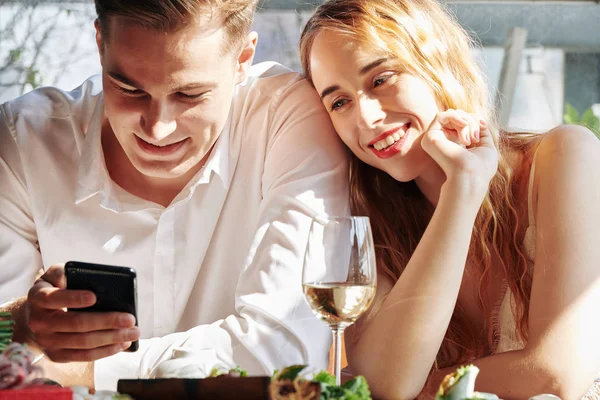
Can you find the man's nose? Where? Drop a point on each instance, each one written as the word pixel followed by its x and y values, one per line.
pixel 158 121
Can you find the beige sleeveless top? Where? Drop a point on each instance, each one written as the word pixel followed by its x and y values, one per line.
pixel 506 327
pixel 505 322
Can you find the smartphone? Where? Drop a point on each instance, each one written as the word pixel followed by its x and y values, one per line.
pixel 115 288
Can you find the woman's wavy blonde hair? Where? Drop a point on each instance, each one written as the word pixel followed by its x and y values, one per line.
pixel 427 42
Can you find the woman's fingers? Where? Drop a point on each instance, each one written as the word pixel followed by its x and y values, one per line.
pixel 461 127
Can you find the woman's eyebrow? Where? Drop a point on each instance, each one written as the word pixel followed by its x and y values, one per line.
pixel 372 65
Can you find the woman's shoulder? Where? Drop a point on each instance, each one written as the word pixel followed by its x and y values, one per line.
pixel 567 161
pixel 563 158
pixel 568 138
pixel 566 146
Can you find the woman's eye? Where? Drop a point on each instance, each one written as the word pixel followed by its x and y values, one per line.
pixel 338 103
pixel 380 80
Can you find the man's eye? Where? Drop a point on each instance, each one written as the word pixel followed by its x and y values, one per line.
pixel 129 92
pixel 191 96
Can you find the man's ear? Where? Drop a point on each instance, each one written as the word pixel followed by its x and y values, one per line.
pixel 99 40
pixel 244 61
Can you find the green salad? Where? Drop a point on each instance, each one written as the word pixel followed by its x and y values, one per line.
pixel 237 372
pixel 289 385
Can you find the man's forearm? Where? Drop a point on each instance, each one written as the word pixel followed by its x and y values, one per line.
pixel 17 310
pixel 67 374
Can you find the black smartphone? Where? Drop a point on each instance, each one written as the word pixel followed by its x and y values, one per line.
pixel 115 288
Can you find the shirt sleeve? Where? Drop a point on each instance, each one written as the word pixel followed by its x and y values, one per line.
pixel 20 258
pixel 305 174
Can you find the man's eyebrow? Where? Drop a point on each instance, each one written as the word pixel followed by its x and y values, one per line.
pixel 328 90
pixel 372 65
pixel 188 86
pixel 195 85
pixel 122 78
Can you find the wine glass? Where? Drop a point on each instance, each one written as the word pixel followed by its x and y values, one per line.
pixel 339 276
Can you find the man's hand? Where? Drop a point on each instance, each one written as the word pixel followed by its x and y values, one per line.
pixel 67 336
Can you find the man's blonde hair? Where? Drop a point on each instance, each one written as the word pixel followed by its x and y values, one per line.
pixel 172 15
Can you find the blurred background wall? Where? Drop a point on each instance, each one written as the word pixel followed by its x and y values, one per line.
pixel 555 78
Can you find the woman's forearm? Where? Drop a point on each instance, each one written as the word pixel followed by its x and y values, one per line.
pixel 513 375
pixel 398 347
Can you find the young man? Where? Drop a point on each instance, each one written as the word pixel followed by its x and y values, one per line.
pixel 187 164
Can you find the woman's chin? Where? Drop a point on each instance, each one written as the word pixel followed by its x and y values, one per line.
pixel 400 175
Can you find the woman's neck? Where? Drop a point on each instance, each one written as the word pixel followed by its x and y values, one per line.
pixel 430 182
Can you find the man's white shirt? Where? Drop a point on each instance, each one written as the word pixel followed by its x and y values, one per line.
pixel 221 266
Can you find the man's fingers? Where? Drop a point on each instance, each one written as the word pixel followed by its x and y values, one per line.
pixel 64 356
pixel 78 322
pixel 43 295
pixel 56 276
pixel 88 341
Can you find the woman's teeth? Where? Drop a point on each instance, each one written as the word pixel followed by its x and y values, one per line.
pixel 388 141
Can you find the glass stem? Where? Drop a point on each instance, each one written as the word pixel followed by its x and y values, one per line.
pixel 337 349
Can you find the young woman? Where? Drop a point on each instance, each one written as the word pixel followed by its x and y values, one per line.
pixel 486 240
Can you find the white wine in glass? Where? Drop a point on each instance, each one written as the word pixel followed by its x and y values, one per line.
pixel 339 304
pixel 339 276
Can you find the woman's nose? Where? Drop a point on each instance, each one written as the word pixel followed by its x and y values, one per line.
pixel 370 112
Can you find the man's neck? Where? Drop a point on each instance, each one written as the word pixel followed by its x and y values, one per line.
pixel 158 190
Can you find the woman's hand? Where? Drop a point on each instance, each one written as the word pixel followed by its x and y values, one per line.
pixel 462 145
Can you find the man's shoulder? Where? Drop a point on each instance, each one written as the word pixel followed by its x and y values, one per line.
pixel 271 78
pixel 270 69
pixel 48 103
pixel 272 83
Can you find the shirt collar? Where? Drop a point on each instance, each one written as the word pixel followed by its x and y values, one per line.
pixel 92 175
pixel 218 162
